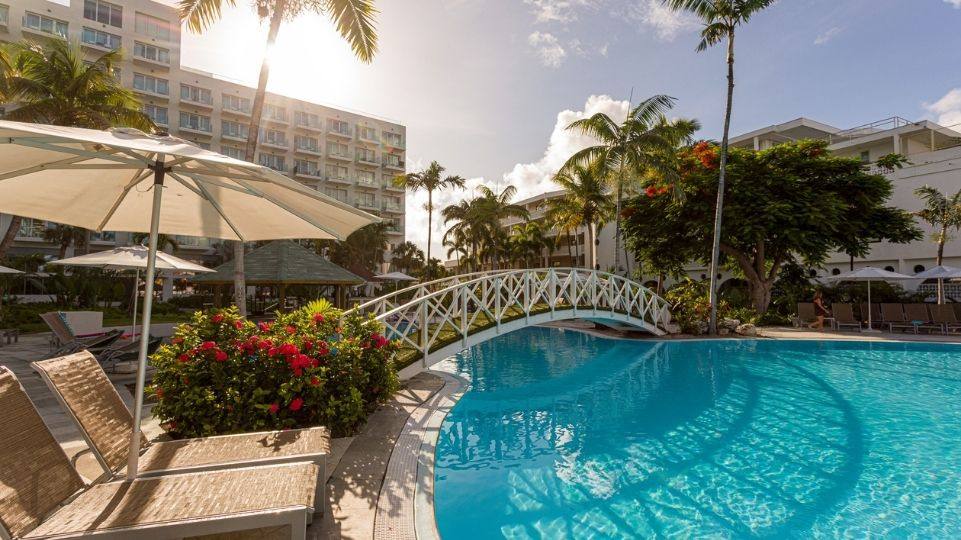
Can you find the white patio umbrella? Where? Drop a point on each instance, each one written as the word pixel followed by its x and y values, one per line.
pixel 125 180
pixel 395 276
pixel 869 274
pixel 132 257
pixel 940 273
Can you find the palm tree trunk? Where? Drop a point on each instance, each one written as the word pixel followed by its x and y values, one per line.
pixel 716 250
pixel 10 235
pixel 250 153
pixel 430 211
pixel 941 239
pixel 590 240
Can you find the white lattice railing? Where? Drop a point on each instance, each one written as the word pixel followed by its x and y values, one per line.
pixel 435 319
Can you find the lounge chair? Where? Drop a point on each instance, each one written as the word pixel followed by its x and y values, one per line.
pixel 66 342
pixel 805 312
pixel 945 316
pixel 844 315
pixel 113 355
pixel 919 318
pixel 876 319
pixel 89 398
pixel 893 316
pixel 42 496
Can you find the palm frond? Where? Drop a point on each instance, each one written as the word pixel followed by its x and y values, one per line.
pixel 201 14
pixel 354 20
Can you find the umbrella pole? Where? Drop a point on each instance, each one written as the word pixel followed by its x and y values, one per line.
pixel 133 457
pixel 136 293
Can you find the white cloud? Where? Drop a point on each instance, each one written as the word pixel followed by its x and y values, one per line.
pixel 548 48
pixel 948 108
pixel 955 3
pixel 602 50
pixel 830 34
pixel 533 178
pixel 563 11
pixel 665 22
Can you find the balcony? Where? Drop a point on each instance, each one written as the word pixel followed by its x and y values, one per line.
pixel 339 157
pixel 199 130
pixel 370 139
pixel 395 164
pixel 308 174
pixel 397 143
pixel 367 160
pixel 311 126
pixel 366 204
pixel 334 179
pixel 343 133
pixel 390 186
pixel 277 119
pixel 367 183
pixel 341 198
pixel 393 208
pixel 197 103
pixel 234 136
pixel 311 150
pixel 395 231
pixel 150 62
pixel 274 143
pixel 238 112
pixel 151 93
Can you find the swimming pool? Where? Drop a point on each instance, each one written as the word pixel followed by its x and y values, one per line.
pixel 564 435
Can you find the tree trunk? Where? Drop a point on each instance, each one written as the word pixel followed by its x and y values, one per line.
pixel 590 237
pixel 760 291
pixel 10 235
pixel 941 240
pixel 253 135
pixel 716 250
pixel 430 211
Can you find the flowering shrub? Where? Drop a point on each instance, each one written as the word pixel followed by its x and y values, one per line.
pixel 225 374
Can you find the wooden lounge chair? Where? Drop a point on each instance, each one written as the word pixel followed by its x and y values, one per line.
pixel 844 315
pixel 893 316
pixel 876 319
pixel 43 497
pixel 914 313
pixel 91 400
pixel 805 313
pixel 945 316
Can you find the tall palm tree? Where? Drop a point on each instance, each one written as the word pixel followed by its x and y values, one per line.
pixel 354 20
pixel 465 231
pixel 407 258
pixel 721 18
pixel 364 247
pixel 942 212
pixel 429 180
pixel 492 208
pixel 585 203
pixel 644 141
pixel 530 242
pixel 52 83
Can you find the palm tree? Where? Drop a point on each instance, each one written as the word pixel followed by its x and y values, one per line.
pixel 943 212
pixel 429 180
pixel 163 240
pixel 721 18
pixel 491 209
pixel 407 257
pixel 465 232
pixel 585 203
pixel 529 242
pixel 643 142
pixel 52 83
pixel 364 247
pixel 354 20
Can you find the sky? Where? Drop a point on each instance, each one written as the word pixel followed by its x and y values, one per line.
pixel 487 87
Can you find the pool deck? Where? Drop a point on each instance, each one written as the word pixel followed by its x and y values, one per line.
pixel 380 482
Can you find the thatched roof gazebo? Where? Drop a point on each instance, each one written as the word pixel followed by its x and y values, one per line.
pixel 281 263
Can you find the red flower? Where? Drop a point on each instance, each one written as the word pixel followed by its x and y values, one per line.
pixel 171 425
pixel 264 327
pixel 160 393
pixel 651 191
pixel 296 404
pixel 364 344
pixel 238 324
pixel 272 351
pixel 314 381
pixel 177 340
pixel 183 358
pixel 217 319
pixel 318 318
pixel 274 408
pixel 379 340
pixel 220 356
pixel 207 345
pixel 291 330
pixel 265 344
pixel 308 344
pixel 288 349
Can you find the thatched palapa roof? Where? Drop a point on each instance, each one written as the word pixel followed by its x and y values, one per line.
pixel 283 262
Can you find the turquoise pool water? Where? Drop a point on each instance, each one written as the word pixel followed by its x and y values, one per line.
pixel 563 435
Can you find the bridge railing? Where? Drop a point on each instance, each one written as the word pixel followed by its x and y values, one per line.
pixel 431 316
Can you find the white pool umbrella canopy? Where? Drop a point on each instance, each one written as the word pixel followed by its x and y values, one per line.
pixel 869 274
pixel 939 272
pixel 395 276
pixel 5 270
pixel 132 257
pixel 126 180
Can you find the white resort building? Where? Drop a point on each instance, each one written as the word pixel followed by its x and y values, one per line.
pixel 349 156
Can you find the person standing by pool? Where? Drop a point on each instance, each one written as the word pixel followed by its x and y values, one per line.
pixel 820 310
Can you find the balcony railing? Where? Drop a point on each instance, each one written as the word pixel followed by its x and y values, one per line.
pixel 393 163
pixel 341 132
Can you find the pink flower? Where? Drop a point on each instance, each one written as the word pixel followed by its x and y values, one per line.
pixel 296 404
pixel 274 408
pixel 220 356
pixel 217 319
pixel 207 345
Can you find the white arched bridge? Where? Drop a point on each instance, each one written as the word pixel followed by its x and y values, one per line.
pixel 437 319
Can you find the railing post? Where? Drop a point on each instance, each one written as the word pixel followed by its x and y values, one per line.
pixel 423 332
pixel 573 292
pixel 594 286
pixel 463 315
pixel 552 290
pixel 528 303
pixel 497 303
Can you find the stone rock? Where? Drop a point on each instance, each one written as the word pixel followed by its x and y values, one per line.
pixel 723 331
pixel 746 329
pixel 730 324
pixel 672 328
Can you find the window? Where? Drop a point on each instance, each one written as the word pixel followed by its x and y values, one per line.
pixel 392 203
pixel 339 194
pixel 197 122
pixel 233 129
pixel 100 39
pixel 338 126
pixel 152 26
pixel 196 94
pixel 393 160
pixel 303 166
pixel 47 25
pixel 273 136
pixel 337 149
pixel 311 144
pixel 157 114
pixel 393 139
pixel 334 171
pixel 236 103
pixel 918 268
pixel 103 12
pixel 368 133
pixel 274 162
pixel 365 178
pixel 232 151
pixel 865 157
pixel 302 118
pixel 366 155
pixel 367 199
pixel 4 14
pixel 150 84
pixel 274 112
pixel 32 228
pixel 151 52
